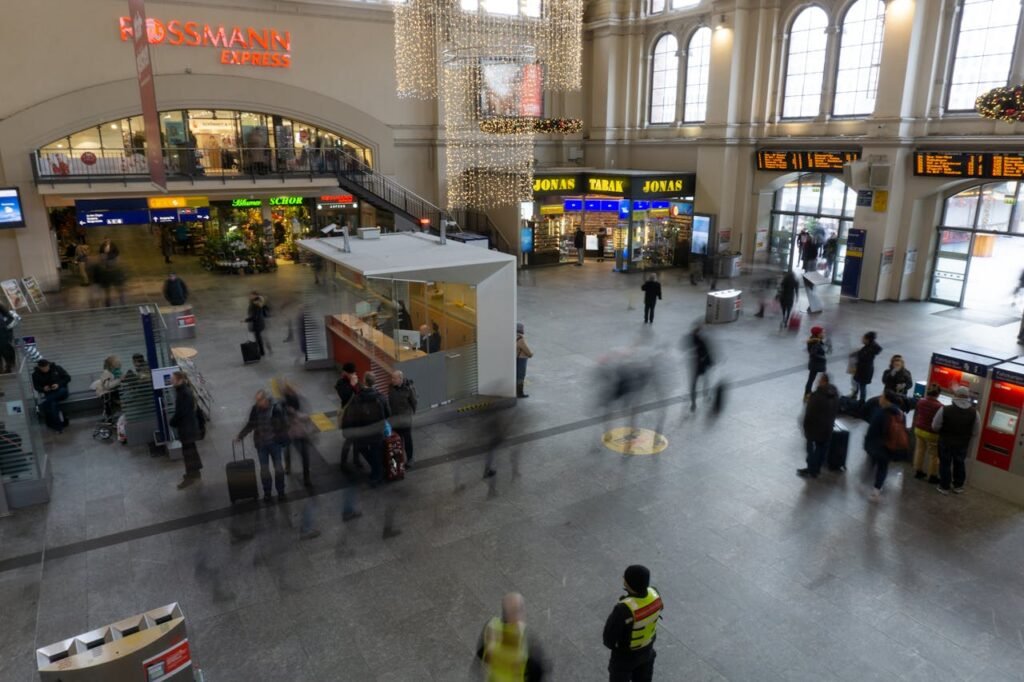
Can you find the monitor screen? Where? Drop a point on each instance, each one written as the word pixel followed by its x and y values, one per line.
pixel 11 214
pixel 1003 419
pixel 510 89
pixel 701 232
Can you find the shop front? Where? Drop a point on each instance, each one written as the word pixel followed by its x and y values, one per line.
pixel 637 220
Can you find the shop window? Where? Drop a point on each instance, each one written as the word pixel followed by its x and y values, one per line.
pixel 86 140
pixel 112 135
pixel 996 205
pixel 664 78
pixel 805 64
pixel 698 73
pixel 860 58
pixel 985 39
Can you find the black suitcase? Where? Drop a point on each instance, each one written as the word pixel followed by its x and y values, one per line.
pixel 837 448
pixel 241 474
pixel 250 352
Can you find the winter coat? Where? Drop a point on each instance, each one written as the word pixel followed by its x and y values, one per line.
pixel 522 349
pixel 924 413
pixel 268 427
pixel 878 429
pixel 106 383
pixel 365 415
pixel 788 290
pixel 899 380
pixel 817 360
pixel 185 420
pixel 703 353
pixel 865 359
pixel 57 375
pixel 175 291
pixel 402 401
pixel 257 315
pixel 652 291
pixel 579 240
pixel 820 415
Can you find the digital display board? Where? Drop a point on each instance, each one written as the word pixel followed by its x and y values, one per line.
pixel 996 165
pixel 789 160
pixel 11 214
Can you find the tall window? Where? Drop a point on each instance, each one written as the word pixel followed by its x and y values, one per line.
pixel 805 64
pixel 860 56
pixel 984 50
pixel 664 78
pixel 684 4
pixel 698 72
pixel 657 6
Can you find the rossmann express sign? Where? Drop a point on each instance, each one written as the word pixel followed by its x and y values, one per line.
pixel 236 45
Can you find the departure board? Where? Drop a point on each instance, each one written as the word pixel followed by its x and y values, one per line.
pixel 788 160
pixel 997 165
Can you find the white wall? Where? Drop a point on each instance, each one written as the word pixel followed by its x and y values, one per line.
pixel 496 332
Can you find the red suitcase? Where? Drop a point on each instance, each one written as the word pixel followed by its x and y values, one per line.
pixel 394 458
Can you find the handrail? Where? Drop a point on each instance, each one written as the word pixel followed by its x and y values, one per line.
pixel 479 222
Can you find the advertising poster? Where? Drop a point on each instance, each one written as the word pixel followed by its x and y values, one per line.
pixel 147 92
pixel 510 90
pixel 855 242
pixel 15 297
pixel 11 214
pixel 526 239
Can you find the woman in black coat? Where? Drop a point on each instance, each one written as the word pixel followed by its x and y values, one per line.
pixel 186 422
pixel 817 360
pixel 897 378
pixel 864 366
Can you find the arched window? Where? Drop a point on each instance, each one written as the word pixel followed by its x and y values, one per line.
pixel 820 204
pixel 860 56
pixel 698 73
pixel 664 78
pixel 805 64
pixel 986 35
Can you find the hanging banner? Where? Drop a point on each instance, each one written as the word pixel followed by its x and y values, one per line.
pixel 855 242
pixel 147 93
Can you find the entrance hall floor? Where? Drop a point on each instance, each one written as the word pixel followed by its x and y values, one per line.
pixel 765 576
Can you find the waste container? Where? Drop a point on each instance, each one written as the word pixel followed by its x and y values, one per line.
pixel 724 306
pixel 179 321
pixel 728 265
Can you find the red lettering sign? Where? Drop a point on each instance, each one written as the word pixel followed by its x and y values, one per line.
pixel 238 45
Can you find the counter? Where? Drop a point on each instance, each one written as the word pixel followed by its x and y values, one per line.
pixel 368 340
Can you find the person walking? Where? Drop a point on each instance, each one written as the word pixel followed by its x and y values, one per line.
pixel 579 240
pixel 652 294
pixel 346 387
pixel 402 401
pixel 830 250
pixel 818 349
pixel 8 320
pixel 109 251
pixel 863 365
pixel 819 421
pixel 886 439
pixel 363 423
pixel 82 261
pixel 166 244
pixel 523 355
pixel 257 319
pixel 299 430
pixel 175 290
pixel 507 651
pixel 632 628
pixel 269 428
pixel 897 377
pixel 186 422
pixel 957 425
pixel 809 254
pixel 51 381
pixel 926 440
pixel 702 362
pixel 789 290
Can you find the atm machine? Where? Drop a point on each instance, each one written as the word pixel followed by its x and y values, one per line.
pixel 998 466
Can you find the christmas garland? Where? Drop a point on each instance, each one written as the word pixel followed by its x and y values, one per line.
pixel 1004 104
pixel 510 125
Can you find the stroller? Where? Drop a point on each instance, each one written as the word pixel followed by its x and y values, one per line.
pixel 106 427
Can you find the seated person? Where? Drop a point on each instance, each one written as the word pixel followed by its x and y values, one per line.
pixel 51 381
pixel 430 340
pixel 106 386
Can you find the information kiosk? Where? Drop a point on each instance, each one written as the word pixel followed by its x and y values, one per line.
pixel 999 467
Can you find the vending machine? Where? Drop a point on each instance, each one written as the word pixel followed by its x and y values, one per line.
pixel 952 369
pixel 999 463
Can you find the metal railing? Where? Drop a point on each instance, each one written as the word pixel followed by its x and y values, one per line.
pixel 474 220
pixel 354 170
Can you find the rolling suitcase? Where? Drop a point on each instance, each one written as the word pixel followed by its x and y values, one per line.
pixel 795 319
pixel 837 448
pixel 250 352
pixel 394 458
pixel 241 474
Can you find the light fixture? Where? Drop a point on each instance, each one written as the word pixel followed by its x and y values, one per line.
pixel 721 22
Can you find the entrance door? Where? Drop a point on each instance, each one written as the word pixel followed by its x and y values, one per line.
pixel 780 248
pixel 996 263
pixel 951 259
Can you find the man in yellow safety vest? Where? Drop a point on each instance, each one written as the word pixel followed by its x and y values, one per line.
pixel 504 648
pixel 631 628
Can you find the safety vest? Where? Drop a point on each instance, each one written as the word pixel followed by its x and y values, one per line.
pixel 645 611
pixel 505 651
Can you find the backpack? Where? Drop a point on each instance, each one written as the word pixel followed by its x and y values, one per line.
pixel 896 434
pixel 364 410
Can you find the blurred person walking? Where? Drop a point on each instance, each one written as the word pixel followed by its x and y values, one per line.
pixel 886 439
pixel 579 242
pixel 186 422
pixel 702 363
pixel 346 387
pixel 8 320
pixel 818 349
pixel 897 377
pixel 175 290
pixel 300 429
pixel 523 354
pixel 926 440
pixel 268 425
pixel 652 294
pixel 957 425
pixel 109 251
pixel 862 364
pixel 363 422
pixel 402 402
pixel 256 316
pixel 819 422
pixel 507 651
pixel 632 627
pixel 789 290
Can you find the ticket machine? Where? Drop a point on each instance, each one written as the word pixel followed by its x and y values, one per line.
pixel 999 465
pixel 952 369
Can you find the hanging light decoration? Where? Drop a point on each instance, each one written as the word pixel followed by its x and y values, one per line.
pixel 1003 104
pixel 489 71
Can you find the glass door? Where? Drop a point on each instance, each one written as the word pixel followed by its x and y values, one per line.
pixel 950 274
pixel 780 247
pixel 837 270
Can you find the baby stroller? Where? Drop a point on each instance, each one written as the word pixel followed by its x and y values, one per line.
pixel 106 427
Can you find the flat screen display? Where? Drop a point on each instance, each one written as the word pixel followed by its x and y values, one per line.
pixel 510 89
pixel 701 232
pixel 11 214
pixel 969 165
pixel 1003 419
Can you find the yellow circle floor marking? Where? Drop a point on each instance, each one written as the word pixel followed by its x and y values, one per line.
pixel 634 441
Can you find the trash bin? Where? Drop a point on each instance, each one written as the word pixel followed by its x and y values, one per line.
pixel 179 321
pixel 724 306
pixel 728 265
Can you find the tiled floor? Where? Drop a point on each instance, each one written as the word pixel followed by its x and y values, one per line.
pixel 765 576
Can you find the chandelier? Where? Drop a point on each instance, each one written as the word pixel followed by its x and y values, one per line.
pixel 489 68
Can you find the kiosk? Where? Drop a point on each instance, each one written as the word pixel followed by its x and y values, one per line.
pixel 999 463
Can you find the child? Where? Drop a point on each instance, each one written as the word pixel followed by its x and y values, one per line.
pixel 818 348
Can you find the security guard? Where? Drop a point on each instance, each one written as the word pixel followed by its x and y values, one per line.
pixel 505 649
pixel 631 629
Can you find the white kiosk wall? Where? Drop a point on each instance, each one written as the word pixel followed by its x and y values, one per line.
pixel 496 333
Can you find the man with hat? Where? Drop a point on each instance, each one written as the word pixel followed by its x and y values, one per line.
pixel 631 628
pixel 956 425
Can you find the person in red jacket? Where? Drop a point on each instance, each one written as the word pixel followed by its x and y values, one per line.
pixel 926 449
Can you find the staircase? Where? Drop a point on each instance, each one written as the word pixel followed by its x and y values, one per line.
pixel 382 192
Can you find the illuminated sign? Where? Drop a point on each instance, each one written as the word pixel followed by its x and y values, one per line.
pixel 572 205
pixel 552 210
pixel 556 184
pixel 823 161
pixel 337 199
pixel 178 202
pixel 237 45
pixel 286 201
pixel 997 165
pixel 661 186
pixel 607 185
pixel 246 203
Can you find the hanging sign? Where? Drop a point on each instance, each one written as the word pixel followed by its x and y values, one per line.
pixel 788 161
pixel 147 90
pixel 855 243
